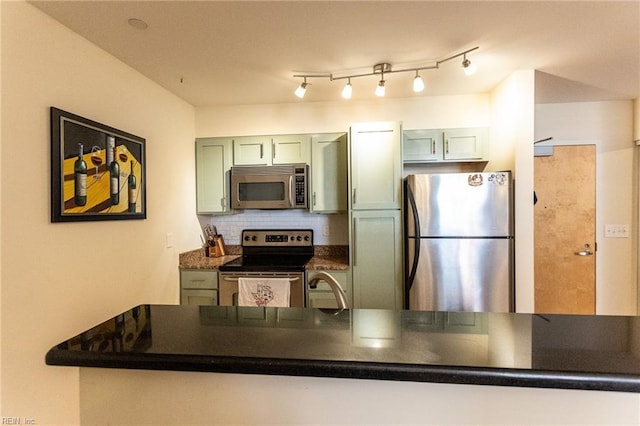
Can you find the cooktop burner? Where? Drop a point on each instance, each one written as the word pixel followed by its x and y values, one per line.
pixel 273 250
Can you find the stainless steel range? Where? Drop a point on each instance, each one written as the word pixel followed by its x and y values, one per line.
pixel 276 253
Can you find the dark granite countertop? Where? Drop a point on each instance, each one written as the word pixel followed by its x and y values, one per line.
pixel 551 351
pixel 335 258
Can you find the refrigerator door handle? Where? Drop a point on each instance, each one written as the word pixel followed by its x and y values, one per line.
pixel 416 222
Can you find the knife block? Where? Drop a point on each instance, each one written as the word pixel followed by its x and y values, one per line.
pixel 218 249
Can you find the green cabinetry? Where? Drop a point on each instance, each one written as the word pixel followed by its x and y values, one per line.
pixel 375 185
pixel 251 151
pixel 290 149
pixel 446 145
pixel 328 189
pixel 376 259
pixel 271 150
pixel 213 162
pixel 198 287
pixel 375 174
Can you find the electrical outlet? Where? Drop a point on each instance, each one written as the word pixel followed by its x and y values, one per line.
pixel 616 231
pixel 325 231
pixel 169 240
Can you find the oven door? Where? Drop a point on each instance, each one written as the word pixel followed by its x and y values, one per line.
pixel 228 286
pixel 256 191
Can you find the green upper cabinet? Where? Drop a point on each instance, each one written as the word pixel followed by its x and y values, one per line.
pixel 213 161
pixel 420 146
pixel 252 151
pixel 328 173
pixel 271 150
pixel 291 149
pixel 375 154
pixel 465 144
pixel 445 145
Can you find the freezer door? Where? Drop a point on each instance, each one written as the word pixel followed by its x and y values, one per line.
pixel 460 204
pixel 471 274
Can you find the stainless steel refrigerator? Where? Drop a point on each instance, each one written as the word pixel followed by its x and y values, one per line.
pixel 459 244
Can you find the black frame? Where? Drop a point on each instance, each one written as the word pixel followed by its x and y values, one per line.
pixel 67 131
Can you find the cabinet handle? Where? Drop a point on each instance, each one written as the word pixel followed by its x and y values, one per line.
pixel 273 150
pixel 261 151
pixel 433 147
pixel 355 246
pixel 314 198
pixel 223 204
pixel 446 146
pixel 353 201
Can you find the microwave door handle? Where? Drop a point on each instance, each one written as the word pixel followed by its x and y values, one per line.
pixel 292 195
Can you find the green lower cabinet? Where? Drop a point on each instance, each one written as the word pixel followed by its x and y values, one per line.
pixel 198 297
pixel 198 287
pixel 322 296
pixel 376 259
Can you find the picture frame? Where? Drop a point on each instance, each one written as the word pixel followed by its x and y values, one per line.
pixel 97 172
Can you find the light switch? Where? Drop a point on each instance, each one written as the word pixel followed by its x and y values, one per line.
pixel 616 230
pixel 169 240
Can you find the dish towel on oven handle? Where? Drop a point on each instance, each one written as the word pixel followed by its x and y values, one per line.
pixel 264 292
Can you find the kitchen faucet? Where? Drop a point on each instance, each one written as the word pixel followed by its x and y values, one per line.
pixel 338 292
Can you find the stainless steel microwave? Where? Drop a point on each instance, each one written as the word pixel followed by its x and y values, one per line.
pixel 270 187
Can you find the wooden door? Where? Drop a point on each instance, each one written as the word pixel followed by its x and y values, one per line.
pixel 564 224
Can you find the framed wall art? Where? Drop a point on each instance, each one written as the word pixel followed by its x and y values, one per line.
pixel 97 172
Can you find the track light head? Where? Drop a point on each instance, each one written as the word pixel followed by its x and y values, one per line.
pixel 380 89
pixel 469 68
pixel 302 89
pixel 418 83
pixel 347 91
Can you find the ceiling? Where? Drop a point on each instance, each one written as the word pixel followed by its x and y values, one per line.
pixel 213 53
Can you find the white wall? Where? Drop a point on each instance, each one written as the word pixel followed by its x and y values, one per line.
pixel 58 279
pixel 512 131
pixel 609 126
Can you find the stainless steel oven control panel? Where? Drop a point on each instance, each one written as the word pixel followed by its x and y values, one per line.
pixel 277 238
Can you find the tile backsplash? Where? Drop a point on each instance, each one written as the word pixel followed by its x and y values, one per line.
pixel 328 229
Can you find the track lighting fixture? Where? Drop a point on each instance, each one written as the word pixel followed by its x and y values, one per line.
pixel 302 89
pixel 347 91
pixel 380 89
pixel 469 68
pixel 418 83
pixel 385 68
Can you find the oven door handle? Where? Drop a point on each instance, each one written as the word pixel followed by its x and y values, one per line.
pixel 236 278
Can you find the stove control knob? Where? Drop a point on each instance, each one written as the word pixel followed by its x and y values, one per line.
pixel 246 238
pixel 254 238
pixel 306 238
pixel 299 238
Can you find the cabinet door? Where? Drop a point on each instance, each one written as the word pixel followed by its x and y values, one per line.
pixel 322 296
pixel 252 150
pixel 213 161
pixel 291 149
pixel 376 259
pixel 329 173
pixel 198 297
pixel 465 144
pixel 376 166
pixel 198 279
pixel 419 146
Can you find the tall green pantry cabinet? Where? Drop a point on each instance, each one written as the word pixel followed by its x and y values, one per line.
pixel 375 219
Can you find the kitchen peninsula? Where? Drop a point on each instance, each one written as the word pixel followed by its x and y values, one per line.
pixel 508 350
